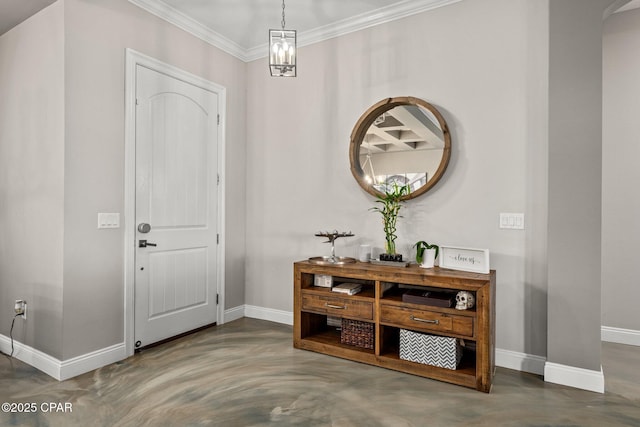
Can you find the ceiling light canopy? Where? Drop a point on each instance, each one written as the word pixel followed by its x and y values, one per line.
pixel 282 51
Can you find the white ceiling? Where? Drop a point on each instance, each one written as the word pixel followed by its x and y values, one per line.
pixel 13 12
pixel 247 22
pixel 240 27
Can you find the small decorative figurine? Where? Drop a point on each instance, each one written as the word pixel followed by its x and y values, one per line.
pixel 331 238
pixel 465 300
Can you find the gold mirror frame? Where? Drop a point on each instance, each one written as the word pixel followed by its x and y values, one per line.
pixel 367 120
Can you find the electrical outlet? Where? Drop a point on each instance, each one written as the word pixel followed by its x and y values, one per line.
pixel 108 220
pixel 514 221
pixel 21 308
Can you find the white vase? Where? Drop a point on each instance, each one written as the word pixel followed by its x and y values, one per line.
pixel 364 254
pixel 428 258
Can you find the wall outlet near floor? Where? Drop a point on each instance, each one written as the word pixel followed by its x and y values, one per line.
pixel 21 308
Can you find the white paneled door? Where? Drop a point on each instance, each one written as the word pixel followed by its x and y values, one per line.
pixel 176 207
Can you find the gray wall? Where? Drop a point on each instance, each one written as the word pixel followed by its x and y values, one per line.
pixel 483 65
pixel 575 182
pixel 32 178
pixel 97 34
pixel 620 174
pixel 75 291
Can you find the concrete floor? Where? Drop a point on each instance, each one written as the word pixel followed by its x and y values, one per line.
pixel 246 373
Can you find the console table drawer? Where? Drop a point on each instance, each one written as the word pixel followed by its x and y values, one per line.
pixel 336 306
pixel 424 320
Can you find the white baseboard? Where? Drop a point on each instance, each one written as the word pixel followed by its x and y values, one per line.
pixel 620 336
pixel 234 313
pixel 571 376
pixel 29 355
pixel 270 314
pixel 63 370
pixel 584 379
pixel 520 361
pixel 553 372
pixel 88 362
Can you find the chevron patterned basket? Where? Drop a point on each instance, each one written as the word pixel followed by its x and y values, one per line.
pixel 444 352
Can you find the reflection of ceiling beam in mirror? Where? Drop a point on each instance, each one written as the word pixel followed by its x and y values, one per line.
pixel 373 139
pixel 427 118
pixel 416 119
pixel 387 120
pixel 404 128
pixel 422 143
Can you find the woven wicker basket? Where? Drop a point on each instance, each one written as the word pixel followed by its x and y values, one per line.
pixel 357 333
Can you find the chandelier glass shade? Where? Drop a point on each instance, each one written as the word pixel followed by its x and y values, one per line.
pixel 282 51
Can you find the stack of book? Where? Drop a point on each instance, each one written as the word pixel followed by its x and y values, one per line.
pixel 334 321
pixel 347 288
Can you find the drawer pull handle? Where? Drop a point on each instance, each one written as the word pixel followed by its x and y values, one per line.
pixel 433 321
pixel 338 307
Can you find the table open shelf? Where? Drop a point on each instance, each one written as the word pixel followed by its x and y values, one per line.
pixel 380 304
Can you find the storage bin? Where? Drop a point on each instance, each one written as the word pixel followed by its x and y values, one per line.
pixel 357 333
pixel 444 352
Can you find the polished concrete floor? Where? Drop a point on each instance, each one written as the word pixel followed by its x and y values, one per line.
pixel 246 373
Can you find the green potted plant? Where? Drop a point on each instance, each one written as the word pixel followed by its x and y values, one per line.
pixel 426 254
pixel 391 202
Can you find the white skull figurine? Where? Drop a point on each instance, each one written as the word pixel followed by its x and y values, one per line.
pixel 465 300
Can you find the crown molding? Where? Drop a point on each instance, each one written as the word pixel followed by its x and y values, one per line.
pixel 383 15
pixel 356 23
pixel 627 5
pixel 190 25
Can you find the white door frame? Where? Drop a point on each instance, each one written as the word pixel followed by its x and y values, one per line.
pixel 133 59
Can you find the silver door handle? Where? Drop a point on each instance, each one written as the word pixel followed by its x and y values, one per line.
pixel 143 227
pixel 144 244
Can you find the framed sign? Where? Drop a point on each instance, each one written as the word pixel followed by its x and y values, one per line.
pixel 465 259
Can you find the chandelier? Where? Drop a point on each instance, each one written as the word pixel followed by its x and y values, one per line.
pixel 282 51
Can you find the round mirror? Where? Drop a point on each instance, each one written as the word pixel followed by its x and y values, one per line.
pixel 400 141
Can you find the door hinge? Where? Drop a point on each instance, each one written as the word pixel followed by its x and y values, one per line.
pixel 218 239
pixel 217 299
pixel 137 101
pixel 218 118
pixel 218 182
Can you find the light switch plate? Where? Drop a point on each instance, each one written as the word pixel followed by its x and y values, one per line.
pixel 512 221
pixel 108 220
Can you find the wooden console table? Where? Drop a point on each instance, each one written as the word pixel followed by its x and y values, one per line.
pixel 380 303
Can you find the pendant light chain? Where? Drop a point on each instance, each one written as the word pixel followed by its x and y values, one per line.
pixel 282 50
pixel 283 14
